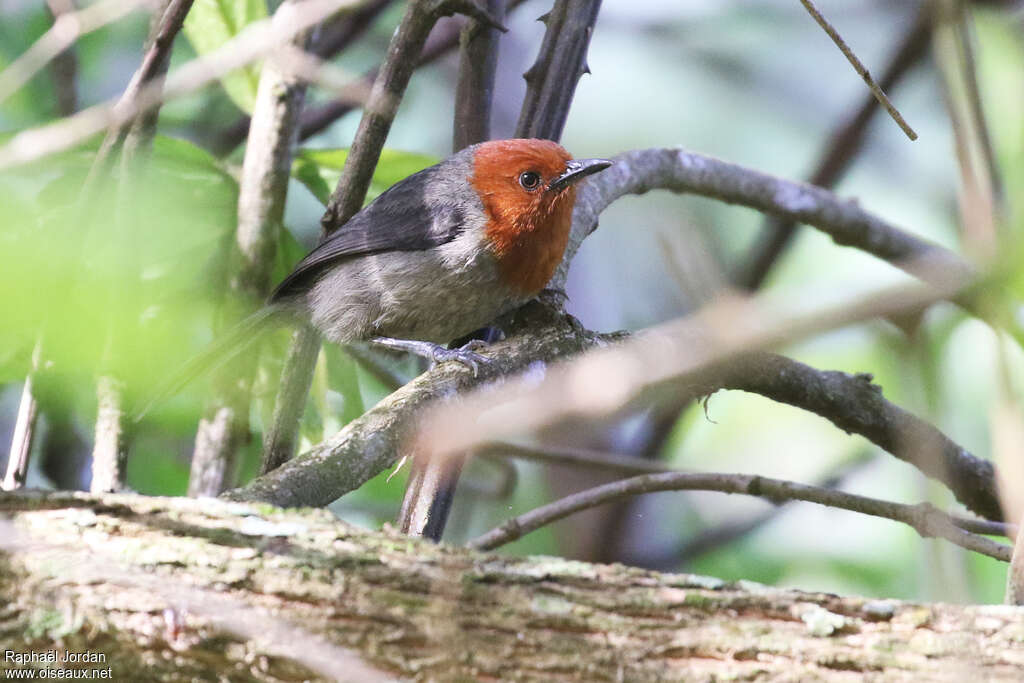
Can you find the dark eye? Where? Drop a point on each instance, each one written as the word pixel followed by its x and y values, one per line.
pixel 530 180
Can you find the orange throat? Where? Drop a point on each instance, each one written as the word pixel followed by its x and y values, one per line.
pixel 528 242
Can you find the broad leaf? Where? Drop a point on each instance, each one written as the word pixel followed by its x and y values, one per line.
pixel 320 169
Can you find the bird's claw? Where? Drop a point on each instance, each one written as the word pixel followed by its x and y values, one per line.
pixel 465 354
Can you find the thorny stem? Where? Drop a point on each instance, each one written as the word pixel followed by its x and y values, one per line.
pixel 551 81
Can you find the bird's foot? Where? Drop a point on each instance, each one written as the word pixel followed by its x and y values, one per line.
pixel 465 354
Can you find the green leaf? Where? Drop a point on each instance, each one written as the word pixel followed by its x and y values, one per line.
pixel 212 23
pixel 320 169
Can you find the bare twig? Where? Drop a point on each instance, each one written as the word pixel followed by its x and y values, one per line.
pixel 576 457
pixel 859 68
pixel 842 146
pixel 67 28
pixel 406 46
pixel 924 518
pixel 262 190
pixel 985 527
pixel 980 186
pixel 561 61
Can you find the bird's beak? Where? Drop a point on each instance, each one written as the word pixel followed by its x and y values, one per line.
pixel 576 170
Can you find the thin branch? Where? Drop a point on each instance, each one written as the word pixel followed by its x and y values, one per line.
pixel 856 405
pixel 985 527
pixel 924 518
pixel 262 191
pixel 561 61
pixel 406 46
pixel 67 28
pixel 842 146
pixel 576 457
pixel 859 68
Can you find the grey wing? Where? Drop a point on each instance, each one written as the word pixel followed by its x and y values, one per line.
pixel 400 219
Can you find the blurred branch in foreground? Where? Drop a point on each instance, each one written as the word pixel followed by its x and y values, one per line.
pixel 262 190
pixel 133 139
pixel 255 41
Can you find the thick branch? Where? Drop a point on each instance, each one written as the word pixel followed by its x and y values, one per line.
pixel 675 169
pixel 182 589
pixel 924 518
pixel 371 443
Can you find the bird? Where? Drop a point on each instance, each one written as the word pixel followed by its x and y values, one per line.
pixel 436 256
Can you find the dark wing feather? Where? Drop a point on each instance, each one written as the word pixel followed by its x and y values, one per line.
pixel 401 219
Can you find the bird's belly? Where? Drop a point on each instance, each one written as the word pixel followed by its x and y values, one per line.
pixel 435 295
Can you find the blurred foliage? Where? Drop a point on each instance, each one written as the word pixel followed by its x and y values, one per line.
pixel 212 23
pixel 755 83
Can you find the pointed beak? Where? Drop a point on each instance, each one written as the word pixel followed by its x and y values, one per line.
pixel 576 170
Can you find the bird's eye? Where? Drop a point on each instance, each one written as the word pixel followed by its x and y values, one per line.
pixel 530 180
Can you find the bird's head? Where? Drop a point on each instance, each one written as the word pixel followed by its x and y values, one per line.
pixel 528 189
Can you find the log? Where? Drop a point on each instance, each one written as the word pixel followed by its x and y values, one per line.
pixel 176 589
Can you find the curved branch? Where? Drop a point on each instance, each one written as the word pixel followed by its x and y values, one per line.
pixel 924 518
pixel 675 169
pixel 856 405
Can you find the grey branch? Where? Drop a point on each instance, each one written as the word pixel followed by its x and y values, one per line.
pixel 924 518
pixel 370 444
pixel 678 170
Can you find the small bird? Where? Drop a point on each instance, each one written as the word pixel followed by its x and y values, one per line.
pixel 438 255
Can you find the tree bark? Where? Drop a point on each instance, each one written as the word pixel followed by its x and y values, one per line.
pixel 180 589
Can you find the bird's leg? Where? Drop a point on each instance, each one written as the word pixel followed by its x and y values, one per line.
pixel 465 354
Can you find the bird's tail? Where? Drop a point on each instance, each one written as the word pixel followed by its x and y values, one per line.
pixel 227 347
